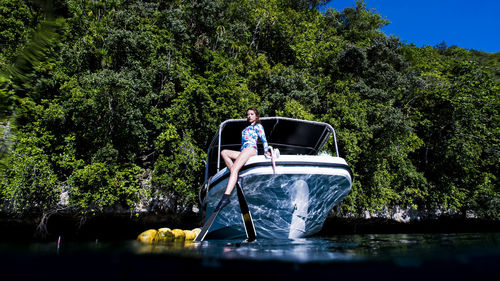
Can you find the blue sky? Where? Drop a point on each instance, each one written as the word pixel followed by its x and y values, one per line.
pixel 469 24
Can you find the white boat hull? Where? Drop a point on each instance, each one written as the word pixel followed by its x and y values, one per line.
pixel 292 203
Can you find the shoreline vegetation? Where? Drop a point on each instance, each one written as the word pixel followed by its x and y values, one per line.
pixel 107 108
pixel 117 227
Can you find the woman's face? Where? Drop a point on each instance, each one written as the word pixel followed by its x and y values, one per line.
pixel 251 117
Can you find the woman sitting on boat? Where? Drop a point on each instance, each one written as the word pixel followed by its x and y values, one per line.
pixel 236 159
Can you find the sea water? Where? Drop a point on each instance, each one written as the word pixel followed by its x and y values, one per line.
pixel 458 256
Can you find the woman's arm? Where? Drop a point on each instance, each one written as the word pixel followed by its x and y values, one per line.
pixel 262 136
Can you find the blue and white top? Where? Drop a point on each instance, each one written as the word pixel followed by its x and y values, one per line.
pixel 250 134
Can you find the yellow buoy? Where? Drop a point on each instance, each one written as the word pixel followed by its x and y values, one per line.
pixel 148 236
pixel 190 235
pixel 179 234
pixel 165 234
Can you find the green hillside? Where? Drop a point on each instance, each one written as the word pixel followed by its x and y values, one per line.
pixel 112 104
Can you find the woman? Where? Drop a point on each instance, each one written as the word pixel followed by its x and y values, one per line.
pixel 236 159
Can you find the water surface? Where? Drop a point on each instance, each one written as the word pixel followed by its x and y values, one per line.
pixel 391 256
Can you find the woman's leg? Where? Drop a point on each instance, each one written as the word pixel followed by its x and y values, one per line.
pixel 229 156
pixel 236 166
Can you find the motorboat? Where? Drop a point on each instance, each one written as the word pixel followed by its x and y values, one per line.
pixel 290 200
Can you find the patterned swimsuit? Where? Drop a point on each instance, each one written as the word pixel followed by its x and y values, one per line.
pixel 250 134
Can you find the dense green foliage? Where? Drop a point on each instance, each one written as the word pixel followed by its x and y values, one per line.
pixel 114 102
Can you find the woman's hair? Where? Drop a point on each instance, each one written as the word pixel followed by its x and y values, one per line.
pixel 257 114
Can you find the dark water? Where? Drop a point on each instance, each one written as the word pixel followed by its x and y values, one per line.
pixel 462 256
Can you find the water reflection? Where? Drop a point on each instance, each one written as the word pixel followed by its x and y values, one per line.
pixel 401 249
pixel 296 250
pixel 367 257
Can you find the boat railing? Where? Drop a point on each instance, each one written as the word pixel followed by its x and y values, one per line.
pixel 284 148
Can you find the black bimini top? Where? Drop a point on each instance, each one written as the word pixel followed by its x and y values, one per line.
pixel 290 136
